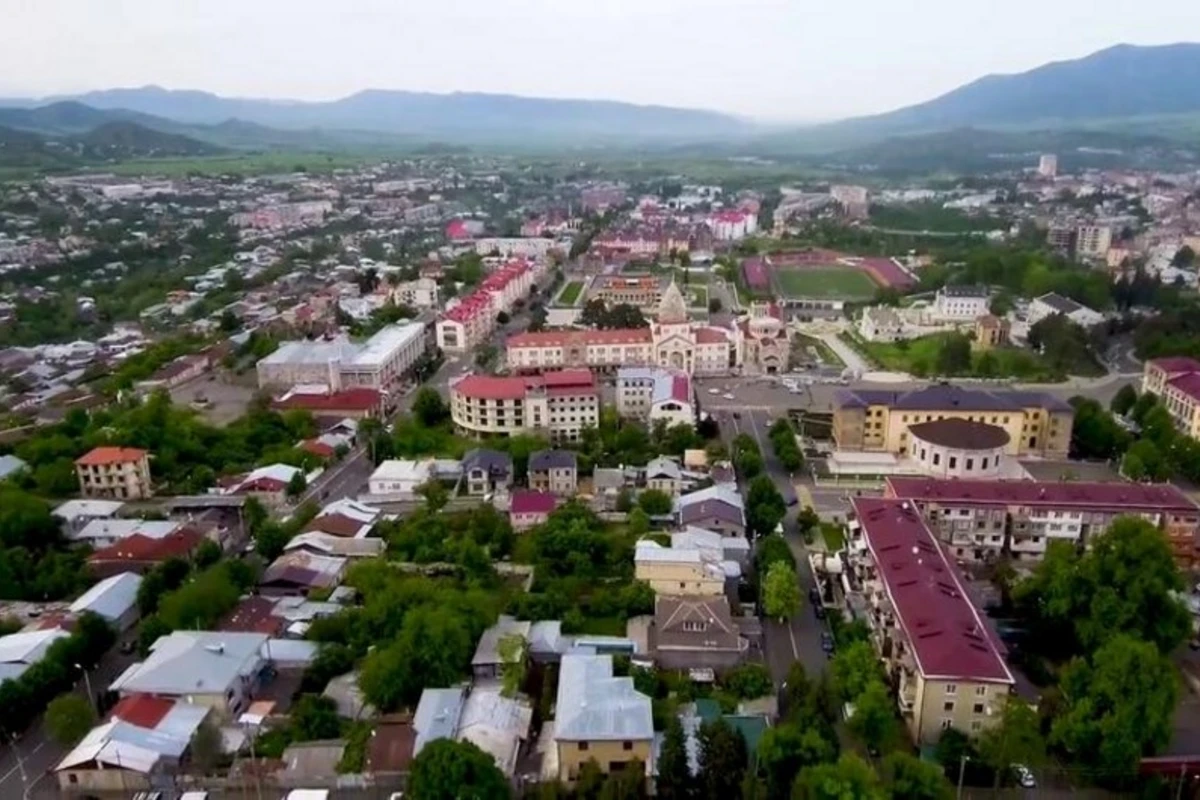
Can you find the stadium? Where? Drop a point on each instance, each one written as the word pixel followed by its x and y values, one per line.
pixel 806 276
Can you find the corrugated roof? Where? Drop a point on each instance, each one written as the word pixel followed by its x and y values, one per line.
pixel 437 715
pixel 595 706
pixel 1114 497
pixel 111 597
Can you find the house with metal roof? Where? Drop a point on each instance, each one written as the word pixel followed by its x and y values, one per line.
pixel 20 651
pixel 599 717
pixel 217 669
pixel 553 471
pixel 486 471
pixel 718 508
pixel 114 599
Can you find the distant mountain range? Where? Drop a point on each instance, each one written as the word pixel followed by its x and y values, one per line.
pixel 112 140
pixel 1123 91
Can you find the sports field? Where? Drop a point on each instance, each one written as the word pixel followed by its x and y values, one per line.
pixel 828 283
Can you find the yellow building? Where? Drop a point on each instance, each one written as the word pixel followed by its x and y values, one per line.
pixel 877 420
pixel 555 404
pixel 933 642
pixel 120 473
pixel 671 570
pixel 599 717
pixel 1176 382
pixel 991 331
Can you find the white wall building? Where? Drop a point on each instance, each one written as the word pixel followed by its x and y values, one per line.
pixel 1050 304
pixel 514 247
pixel 960 303
pixel 378 363
pixel 397 476
pixel 881 324
pixel 653 394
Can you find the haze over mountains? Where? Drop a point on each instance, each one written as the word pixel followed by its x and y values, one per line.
pixel 1123 84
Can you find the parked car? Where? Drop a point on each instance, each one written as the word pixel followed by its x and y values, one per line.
pixel 1024 776
pixel 827 642
pixel 819 610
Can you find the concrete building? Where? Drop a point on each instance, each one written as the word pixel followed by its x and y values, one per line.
pixel 974 517
pixel 554 471
pixel 854 201
pixel 1093 241
pixel 556 404
pixel 396 476
pixel 421 293
pixel 991 331
pixel 600 717
pixel 732 224
pixel 514 247
pixel 1050 304
pixel 672 341
pixel 680 570
pixel 960 303
pixel 380 363
pixel 935 646
pixel 878 420
pixel 119 473
pixel 653 393
pixel 1176 382
pixel 642 291
pixel 763 340
pixel 472 320
pixel 881 324
pixel 114 599
pixel 1048 165
pixel 958 448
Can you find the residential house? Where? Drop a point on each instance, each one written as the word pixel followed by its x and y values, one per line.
pixel 345 517
pixel 553 471
pixel 530 508
pixel 139 552
pixel 696 633
pixel 399 477
pixel 665 475
pixel 718 508
pixel 120 473
pixel 113 599
pixel 76 514
pixel 216 669
pixel 600 717
pixel 656 394
pixel 678 571
pixel 936 647
pixel 20 651
pixel 11 467
pixel 355 404
pixel 487 472
pixel 1050 304
pixel 483 716
pixel 139 749
pixel 268 484
pixel 299 572
pixel 487 663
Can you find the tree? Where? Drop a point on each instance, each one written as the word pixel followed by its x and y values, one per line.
pixel 626 783
pixel 503 318
pixel 435 493
pixel 69 717
pixel 786 749
pixel 270 539
pixel 748 681
pixel 315 717
pixel 1124 399
pixel 655 502
pixel 1094 433
pixel 765 507
pixel 781 592
pixel 296 485
pixel 1015 739
pixel 874 720
pixel 639 522
pixel 429 408
pixel 206 747
pixel 624 501
pixel 1184 257
pixel 1117 706
pixel 909 778
pixel 432 649
pixel 850 777
pixel 512 649
pixel 722 760
pixel 954 357
pixel 674 776
pixel 448 770
pixel 854 667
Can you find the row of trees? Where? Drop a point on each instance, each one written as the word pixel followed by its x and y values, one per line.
pixel 1158 453
pixel 36 562
pixel 783 440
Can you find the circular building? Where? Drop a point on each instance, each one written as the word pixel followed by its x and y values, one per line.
pixel 958 448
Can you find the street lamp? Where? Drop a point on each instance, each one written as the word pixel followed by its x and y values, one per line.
pixel 87 682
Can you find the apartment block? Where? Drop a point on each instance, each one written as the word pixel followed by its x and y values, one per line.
pixel 878 420
pixel 1176 383
pixel 943 660
pixel 557 404
pixel 119 473
pixel 977 518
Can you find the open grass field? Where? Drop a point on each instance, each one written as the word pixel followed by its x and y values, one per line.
pixel 570 293
pixel 920 357
pixel 827 283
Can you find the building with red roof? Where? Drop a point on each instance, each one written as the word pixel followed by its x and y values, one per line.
pixel 457 230
pixel 557 404
pixel 530 508
pixel 947 664
pixel 1176 382
pixel 732 225
pixel 654 393
pixel 138 553
pixel 471 321
pixel 119 473
pixel 972 516
pixel 345 404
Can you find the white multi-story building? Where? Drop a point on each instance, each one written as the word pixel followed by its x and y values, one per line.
pixel 880 324
pixel 1048 165
pixel 379 363
pixel 421 293
pixel 514 247
pixel 1050 304
pixel 654 394
pixel 558 404
pixel 961 303
pixel 672 341
pixel 729 226
pixel 1093 241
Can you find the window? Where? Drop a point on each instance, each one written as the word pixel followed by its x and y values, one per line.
pixel 626 745
pixel 937 459
pixel 948 706
pixel 583 746
pixel 970 464
pixel 953 462
pixel 951 688
pixel 978 708
pixel 980 691
pixel 947 724
pixel 976 726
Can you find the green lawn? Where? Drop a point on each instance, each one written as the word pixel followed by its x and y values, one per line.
pixel 802 342
pixel 919 357
pixel 835 538
pixel 698 296
pixel 833 283
pixel 570 293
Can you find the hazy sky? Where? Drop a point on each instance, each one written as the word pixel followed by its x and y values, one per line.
pixel 771 59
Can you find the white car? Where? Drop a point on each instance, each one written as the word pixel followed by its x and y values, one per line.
pixel 1024 776
pixel 714 391
pixel 728 396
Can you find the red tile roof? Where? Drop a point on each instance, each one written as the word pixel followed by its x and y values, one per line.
pixel 142 710
pixel 101 456
pixel 1176 364
pixel 457 229
pixel 495 387
pixel 529 502
pixel 1188 384
pixel 710 336
pixel 145 549
pixel 319 449
pixel 948 638
pixel 566 377
pixel 579 338
pixel 347 400
pixel 1092 496
pixel 253 615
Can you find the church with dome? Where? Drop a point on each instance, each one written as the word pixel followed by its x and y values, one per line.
pixel 673 340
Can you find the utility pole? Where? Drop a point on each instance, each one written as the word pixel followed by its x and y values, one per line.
pixel 962 768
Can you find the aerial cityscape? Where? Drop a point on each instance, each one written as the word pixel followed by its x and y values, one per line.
pixel 399 435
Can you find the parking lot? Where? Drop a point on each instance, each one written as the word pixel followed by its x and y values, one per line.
pixel 226 398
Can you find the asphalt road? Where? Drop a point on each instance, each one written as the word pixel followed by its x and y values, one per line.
pixel 26 776
pixel 798 639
